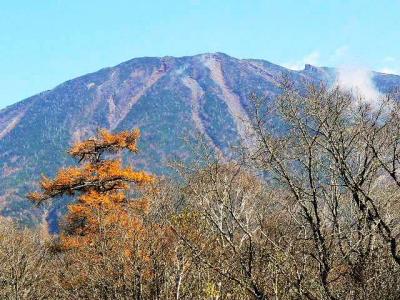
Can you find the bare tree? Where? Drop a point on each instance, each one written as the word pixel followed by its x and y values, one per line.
pixel 24 262
pixel 327 154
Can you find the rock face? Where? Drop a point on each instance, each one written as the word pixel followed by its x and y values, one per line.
pixel 166 98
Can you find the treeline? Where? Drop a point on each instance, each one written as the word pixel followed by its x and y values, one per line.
pixel 308 209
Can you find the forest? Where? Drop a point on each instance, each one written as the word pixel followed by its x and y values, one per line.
pixel 306 208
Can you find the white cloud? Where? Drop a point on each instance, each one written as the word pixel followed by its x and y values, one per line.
pixel 352 77
pixel 359 81
pixel 311 58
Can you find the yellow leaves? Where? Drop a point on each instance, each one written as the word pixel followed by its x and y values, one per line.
pixel 102 202
pixel 101 222
pixel 185 218
pixel 211 291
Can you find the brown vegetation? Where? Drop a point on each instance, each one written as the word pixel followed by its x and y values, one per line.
pixel 309 211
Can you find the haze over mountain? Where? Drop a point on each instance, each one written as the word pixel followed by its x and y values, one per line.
pixel 165 97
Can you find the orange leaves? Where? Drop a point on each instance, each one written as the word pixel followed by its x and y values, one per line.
pixel 35 196
pixel 141 206
pixel 100 186
pixel 112 170
pixel 103 227
pixel 108 211
pixel 124 139
pixel 65 177
pixel 77 209
pixel 104 176
pixel 46 183
pixel 103 205
pixel 71 242
pixel 96 173
pixel 106 141
pixel 85 147
pixel 102 200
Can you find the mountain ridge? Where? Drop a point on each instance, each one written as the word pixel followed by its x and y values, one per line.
pixel 149 57
pixel 306 67
pixel 164 96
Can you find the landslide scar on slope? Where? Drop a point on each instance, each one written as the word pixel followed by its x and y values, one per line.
pixel 102 91
pixel 8 124
pixel 116 116
pixel 108 91
pixel 231 99
pixel 196 94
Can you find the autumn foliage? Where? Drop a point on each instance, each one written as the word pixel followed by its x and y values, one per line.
pixel 311 212
pixel 100 186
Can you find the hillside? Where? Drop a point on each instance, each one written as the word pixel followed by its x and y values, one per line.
pixel 167 98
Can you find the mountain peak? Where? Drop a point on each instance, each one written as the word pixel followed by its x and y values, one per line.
pixel 166 97
pixel 308 67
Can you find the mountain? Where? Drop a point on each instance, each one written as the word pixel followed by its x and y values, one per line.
pixel 166 98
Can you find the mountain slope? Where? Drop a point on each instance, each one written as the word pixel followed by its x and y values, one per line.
pixel 165 97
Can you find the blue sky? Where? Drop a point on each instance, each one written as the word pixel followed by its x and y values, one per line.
pixel 46 42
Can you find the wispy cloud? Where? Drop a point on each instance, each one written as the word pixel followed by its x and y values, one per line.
pixel 359 81
pixel 312 58
pixel 352 75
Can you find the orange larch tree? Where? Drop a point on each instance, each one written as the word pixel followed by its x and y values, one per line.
pixel 100 185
